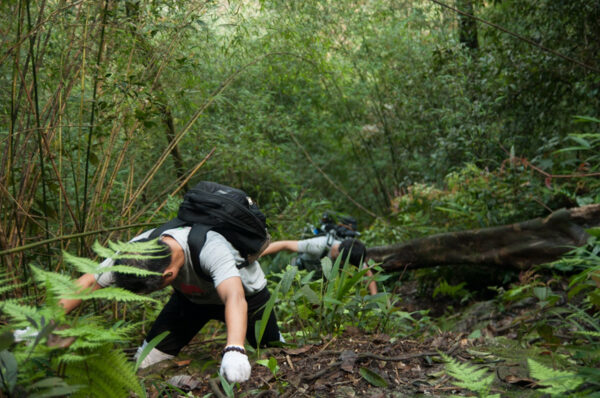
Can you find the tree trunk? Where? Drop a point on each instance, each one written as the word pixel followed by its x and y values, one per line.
pixel 520 245
pixel 467 26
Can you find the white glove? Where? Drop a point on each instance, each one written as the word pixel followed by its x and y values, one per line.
pixel 235 366
pixel 25 334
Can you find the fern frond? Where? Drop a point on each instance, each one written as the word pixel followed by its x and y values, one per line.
pixel 22 315
pixel 107 373
pixel 8 288
pixel 109 293
pixel 469 377
pixel 90 334
pixel 126 269
pixel 134 250
pixel 18 312
pixel 82 264
pixel 59 283
pixel 559 381
pixel 6 275
pixel 87 266
pixel 72 357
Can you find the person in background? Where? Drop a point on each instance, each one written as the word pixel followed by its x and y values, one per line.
pixel 311 251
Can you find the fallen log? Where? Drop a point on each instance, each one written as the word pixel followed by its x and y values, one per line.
pixel 520 245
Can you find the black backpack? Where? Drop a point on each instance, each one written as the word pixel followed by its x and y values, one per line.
pixel 345 228
pixel 209 206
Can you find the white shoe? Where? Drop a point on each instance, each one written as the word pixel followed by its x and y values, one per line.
pixel 154 356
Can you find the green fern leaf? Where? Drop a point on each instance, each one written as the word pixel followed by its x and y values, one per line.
pixel 71 357
pixel 18 312
pixel 91 335
pixel 82 264
pixel 107 373
pixel 87 266
pixel 134 250
pixel 469 377
pixel 109 293
pixel 8 288
pixel 559 381
pixel 126 269
pixel 23 314
pixel 56 282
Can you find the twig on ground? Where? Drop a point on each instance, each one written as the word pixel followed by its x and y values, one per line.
pixel 216 389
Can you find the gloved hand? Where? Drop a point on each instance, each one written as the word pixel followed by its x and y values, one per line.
pixel 235 366
pixel 25 334
pixel 30 334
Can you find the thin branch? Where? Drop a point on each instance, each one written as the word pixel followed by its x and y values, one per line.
pixel 336 186
pixel 522 38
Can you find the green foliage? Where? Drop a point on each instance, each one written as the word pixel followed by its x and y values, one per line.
pixel 149 347
pixel 321 302
pixel 559 382
pixel 261 325
pixel 373 377
pixel 470 377
pixel 227 387
pixel 271 364
pixel 90 365
pixel 129 250
pixel 309 106
pixel 43 387
pixel 452 291
pixel 340 298
pixel 105 373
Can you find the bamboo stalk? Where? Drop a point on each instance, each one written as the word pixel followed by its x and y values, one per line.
pixel 72 236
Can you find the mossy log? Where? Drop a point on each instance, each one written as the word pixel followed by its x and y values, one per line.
pixel 520 245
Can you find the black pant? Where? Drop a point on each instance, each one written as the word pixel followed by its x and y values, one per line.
pixel 183 319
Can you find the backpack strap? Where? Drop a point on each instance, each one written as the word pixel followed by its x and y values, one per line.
pixel 328 244
pixel 196 240
pixel 172 224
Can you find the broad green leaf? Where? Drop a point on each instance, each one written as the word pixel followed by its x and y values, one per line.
pixel 8 370
pixel 542 292
pixel 594 232
pixel 308 294
pixel 373 377
pixel 288 279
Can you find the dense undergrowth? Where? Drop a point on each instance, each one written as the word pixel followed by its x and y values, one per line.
pixel 379 109
pixel 561 333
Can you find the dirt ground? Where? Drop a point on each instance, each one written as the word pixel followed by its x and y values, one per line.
pixel 331 369
pixel 356 364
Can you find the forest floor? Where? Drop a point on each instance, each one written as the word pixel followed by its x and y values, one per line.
pixel 355 364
